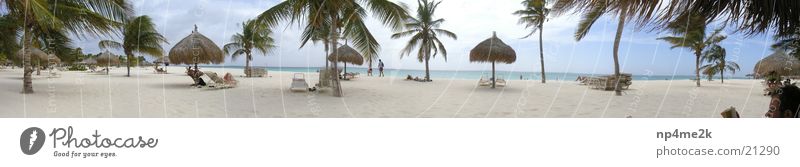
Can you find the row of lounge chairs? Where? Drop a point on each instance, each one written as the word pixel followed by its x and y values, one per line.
pixel 606 82
pixel 486 81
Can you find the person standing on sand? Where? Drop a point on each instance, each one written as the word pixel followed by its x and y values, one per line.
pixel 380 68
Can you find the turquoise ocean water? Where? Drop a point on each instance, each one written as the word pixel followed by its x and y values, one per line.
pixel 474 75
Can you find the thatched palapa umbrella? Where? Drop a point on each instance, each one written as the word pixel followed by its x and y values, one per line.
pixel 780 62
pixel 107 59
pixel 347 55
pixel 88 61
pixel 36 55
pixel 493 50
pixel 196 49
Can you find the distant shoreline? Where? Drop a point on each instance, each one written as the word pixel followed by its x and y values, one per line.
pixel 476 74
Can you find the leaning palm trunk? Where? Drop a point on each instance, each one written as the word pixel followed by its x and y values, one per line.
pixel 620 26
pixel 697 67
pixel 247 64
pixel 541 51
pixel 337 88
pixel 722 71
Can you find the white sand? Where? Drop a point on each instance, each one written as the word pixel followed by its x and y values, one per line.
pixel 145 94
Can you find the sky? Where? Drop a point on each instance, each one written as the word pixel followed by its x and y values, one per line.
pixel 472 20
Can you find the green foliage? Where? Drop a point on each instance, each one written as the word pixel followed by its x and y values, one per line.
pixel 139 35
pixel 347 16
pixel 424 31
pixel 76 67
pixel 789 43
pixel 533 16
pixel 254 35
pixel 717 63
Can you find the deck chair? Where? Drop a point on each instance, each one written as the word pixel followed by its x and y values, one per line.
pixel 499 83
pixel 299 82
pixel 349 76
pixel 219 83
pixel 256 72
pixel 324 78
pixel 159 70
pixel 484 81
pixel 54 73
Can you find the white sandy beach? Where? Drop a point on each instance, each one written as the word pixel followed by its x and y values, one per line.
pixel 145 94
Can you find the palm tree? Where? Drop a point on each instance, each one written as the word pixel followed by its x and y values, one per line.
pixel 424 30
pixel 716 57
pixel 253 36
pixel 79 17
pixel 9 45
pixel 708 72
pixel 343 18
pixel 533 16
pixel 625 10
pixel 750 17
pixel 690 32
pixel 138 35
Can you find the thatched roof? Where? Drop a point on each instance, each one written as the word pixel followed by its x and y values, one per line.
pixel 52 58
pixel 107 59
pixel 779 62
pixel 348 55
pixel 196 49
pixel 88 61
pixel 36 54
pixel 493 50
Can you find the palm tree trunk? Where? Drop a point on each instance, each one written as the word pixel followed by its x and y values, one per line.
pixel 247 65
pixel 27 79
pixel 326 56
pixel 129 64
pixel 494 79
pixel 337 88
pixel 38 67
pixel 697 66
pixel 722 71
pixel 427 69
pixel 541 52
pixel 620 27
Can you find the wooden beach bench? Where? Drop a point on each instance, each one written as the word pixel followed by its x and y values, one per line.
pixel 256 71
pixel 606 82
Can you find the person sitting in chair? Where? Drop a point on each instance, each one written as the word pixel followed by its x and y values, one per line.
pixel 785 103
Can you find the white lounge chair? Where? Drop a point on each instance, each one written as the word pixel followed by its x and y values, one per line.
pixel 219 83
pixel 256 72
pixel 500 83
pixel 54 74
pixel 484 81
pixel 299 82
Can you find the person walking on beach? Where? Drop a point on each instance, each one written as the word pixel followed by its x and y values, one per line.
pixel 380 68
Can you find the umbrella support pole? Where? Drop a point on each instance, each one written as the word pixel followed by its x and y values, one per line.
pixel 494 79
